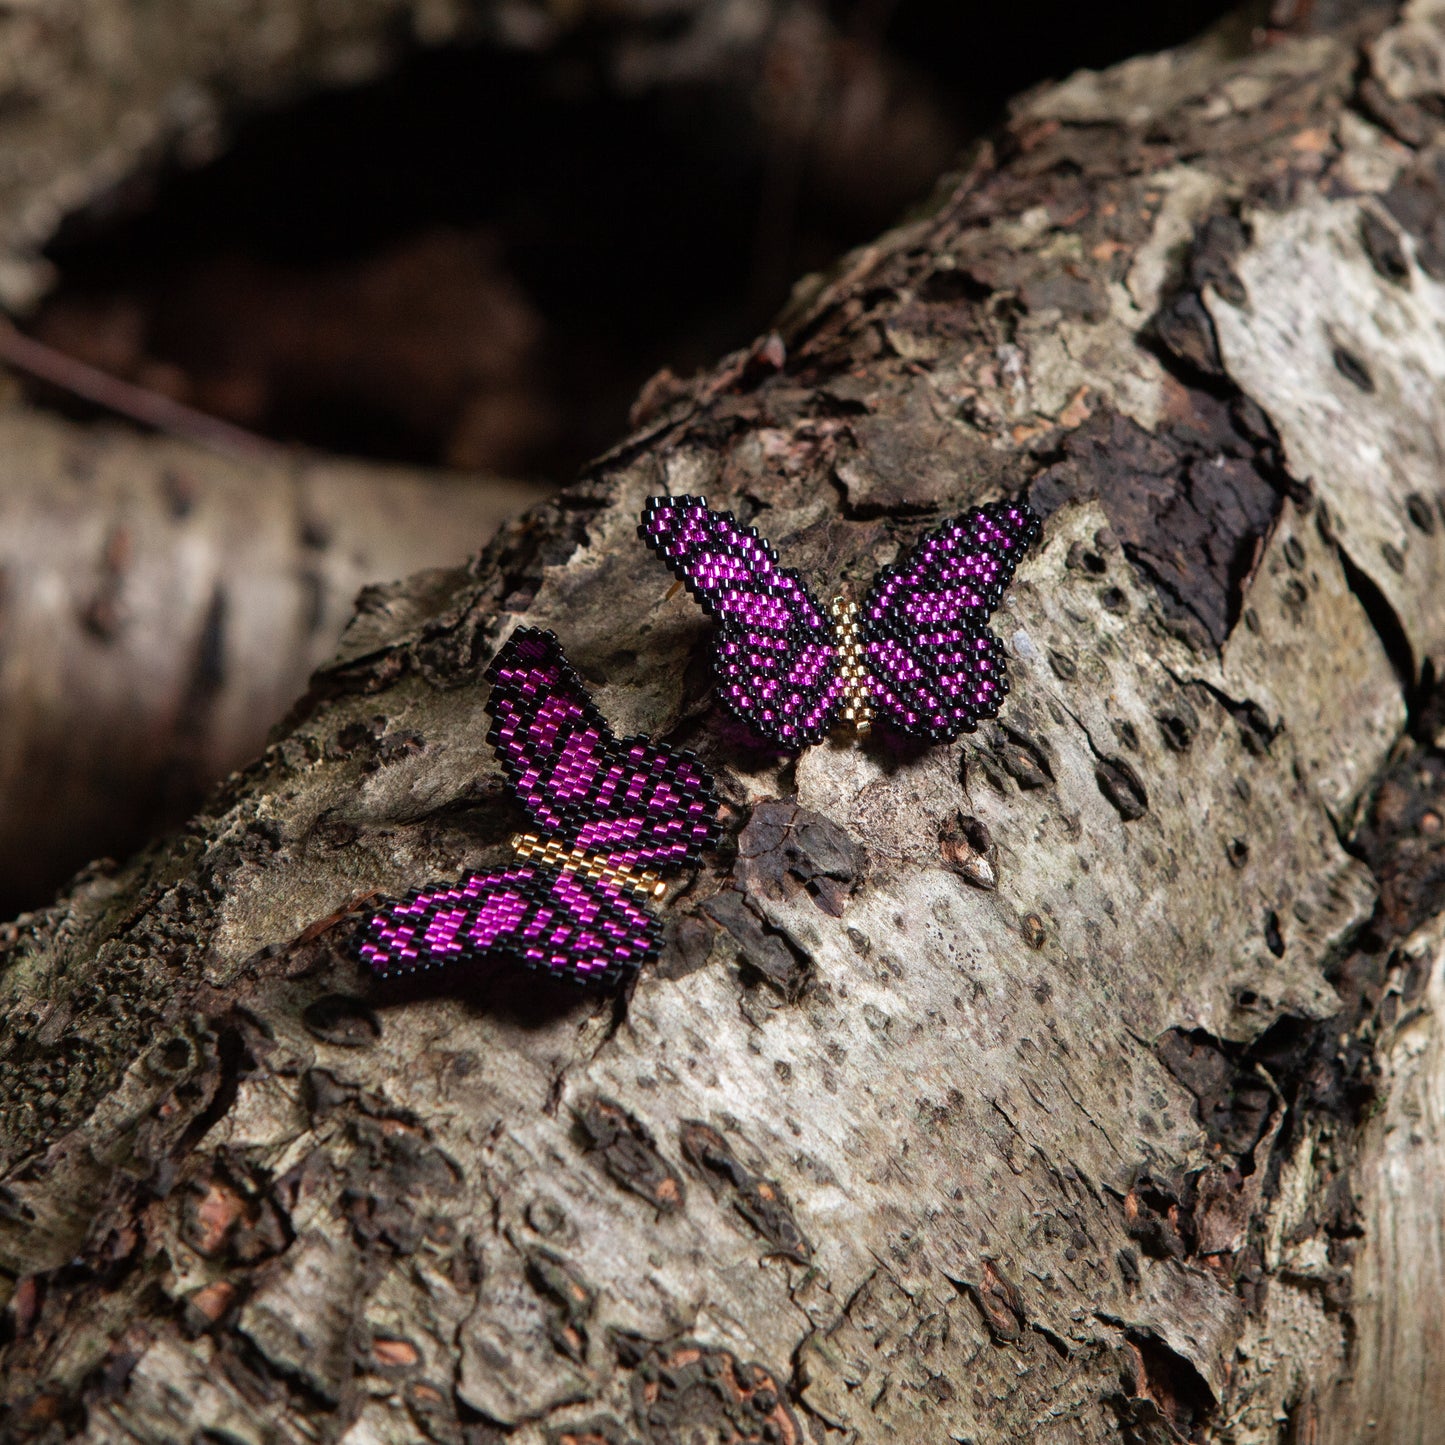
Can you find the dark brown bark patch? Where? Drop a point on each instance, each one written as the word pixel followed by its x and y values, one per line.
pixel 570 1300
pixel 784 848
pixel 1417 202
pixel 1234 1100
pixel 630 1155
pixel 687 1392
pixel 1123 787
pixel 394 1173
pixel 1164 1396
pixel 760 1201
pixel 999 1302
pixel 765 954
pixel 1189 505
pixel 604 1430
pixel 1404 840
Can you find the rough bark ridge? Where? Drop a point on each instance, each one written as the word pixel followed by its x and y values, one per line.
pixel 876 1152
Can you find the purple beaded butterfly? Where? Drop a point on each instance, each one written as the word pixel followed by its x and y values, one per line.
pixel 918 655
pixel 612 813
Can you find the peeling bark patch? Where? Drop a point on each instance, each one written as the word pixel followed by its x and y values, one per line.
pixel 207 1306
pixel 1409 123
pixel 1123 787
pixel 1188 504
pixel 629 1154
pixel 760 1201
pixel 605 1430
pixel 1164 1397
pixel 784 848
pixel 1022 757
pixel 687 943
pixel 1417 202
pixel 906 459
pixel 1404 839
pixel 688 1392
pixel 1156 1220
pixel 999 1302
pixel 433 1412
pixel 1128 1263
pixel 570 1300
pixel 395 1178
pixel 1069 293
pixel 1233 1101
pixel 967 849
pixel 762 949
pixel 232 1221
pixel 1185 330
pixel 1382 244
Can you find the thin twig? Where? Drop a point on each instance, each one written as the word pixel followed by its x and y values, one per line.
pixel 149 408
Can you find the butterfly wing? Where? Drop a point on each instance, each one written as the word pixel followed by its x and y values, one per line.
pixel 934 668
pixel 625 797
pixel 557 922
pixel 775 653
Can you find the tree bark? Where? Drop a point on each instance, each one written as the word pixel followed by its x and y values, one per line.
pixel 1079 1081
pixel 161 606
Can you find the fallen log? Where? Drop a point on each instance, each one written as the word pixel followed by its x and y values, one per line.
pixel 1075 1081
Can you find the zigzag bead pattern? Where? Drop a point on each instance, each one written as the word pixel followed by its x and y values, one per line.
pixel 613 815
pixel 917 656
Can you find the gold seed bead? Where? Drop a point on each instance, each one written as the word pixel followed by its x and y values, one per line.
pixel 592 866
pixel 856 709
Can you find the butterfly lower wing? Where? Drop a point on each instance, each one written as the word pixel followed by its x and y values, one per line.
pixel 934 668
pixel 552 920
pixel 639 803
pixel 775 653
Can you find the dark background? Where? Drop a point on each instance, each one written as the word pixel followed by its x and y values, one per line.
pixel 477 260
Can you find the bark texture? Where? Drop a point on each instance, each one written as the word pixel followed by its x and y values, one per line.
pixel 161 607
pixel 1076 1082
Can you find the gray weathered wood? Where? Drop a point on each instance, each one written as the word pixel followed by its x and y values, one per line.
pixel 161 607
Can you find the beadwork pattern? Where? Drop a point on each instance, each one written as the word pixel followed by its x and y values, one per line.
pixel 614 814
pixel 917 655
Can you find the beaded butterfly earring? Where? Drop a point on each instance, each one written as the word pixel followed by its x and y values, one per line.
pixel 917 655
pixel 611 815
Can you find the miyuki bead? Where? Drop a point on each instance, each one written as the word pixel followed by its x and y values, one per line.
pixel 612 815
pixel 917 655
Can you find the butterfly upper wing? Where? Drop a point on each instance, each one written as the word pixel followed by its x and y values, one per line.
pixel 557 922
pixel 934 668
pixel 775 653
pixel 626 797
